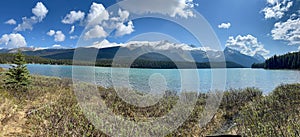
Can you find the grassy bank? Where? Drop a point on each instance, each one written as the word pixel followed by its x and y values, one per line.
pixel 50 108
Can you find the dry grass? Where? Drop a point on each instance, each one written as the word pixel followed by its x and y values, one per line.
pixel 50 108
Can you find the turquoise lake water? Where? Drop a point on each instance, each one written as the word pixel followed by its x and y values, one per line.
pixel 265 80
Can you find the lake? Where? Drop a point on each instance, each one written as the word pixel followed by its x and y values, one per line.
pixel 265 80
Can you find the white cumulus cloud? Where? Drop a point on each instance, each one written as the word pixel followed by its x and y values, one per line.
pixel 277 8
pixel 123 15
pixel 27 24
pixel 99 20
pixel 181 8
pixel 13 40
pixel 95 32
pixel 287 31
pixel 59 36
pixel 122 29
pixel 272 2
pixel 248 45
pixel 118 23
pixel 51 32
pixel 39 11
pixel 97 13
pixel 73 16
pixel 224 25
pixel 11 22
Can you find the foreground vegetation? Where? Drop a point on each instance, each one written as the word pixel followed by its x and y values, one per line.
pixel 50 108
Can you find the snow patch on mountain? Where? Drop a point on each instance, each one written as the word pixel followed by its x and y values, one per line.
pixel 157 45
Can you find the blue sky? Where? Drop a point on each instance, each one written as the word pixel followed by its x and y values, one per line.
pixel 245 25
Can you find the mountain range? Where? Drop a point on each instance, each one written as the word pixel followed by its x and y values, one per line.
pixel 155 51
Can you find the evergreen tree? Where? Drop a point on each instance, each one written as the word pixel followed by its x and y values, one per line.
pixel 287 61
pixel 18 76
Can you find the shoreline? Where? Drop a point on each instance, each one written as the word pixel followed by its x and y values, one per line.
pixel 159 68
pixel 136 67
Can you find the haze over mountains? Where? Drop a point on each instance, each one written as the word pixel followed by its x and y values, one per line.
pixel 108 51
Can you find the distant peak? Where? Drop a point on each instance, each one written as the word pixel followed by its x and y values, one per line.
pixel 230 50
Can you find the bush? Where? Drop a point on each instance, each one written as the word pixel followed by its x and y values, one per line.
pixel 273 115
pixel 233 100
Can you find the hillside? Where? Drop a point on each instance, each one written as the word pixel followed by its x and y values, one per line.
pixel 286 61
pixel 155 53
pixel 6 58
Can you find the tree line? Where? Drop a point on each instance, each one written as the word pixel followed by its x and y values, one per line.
pixel 287 61
pixel 7 58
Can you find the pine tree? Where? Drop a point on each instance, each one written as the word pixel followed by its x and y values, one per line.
pixel 18 76
pixel 287 61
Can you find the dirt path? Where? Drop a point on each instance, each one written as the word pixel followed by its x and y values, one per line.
pixel 13 120
pixel 13 114
pixel 12 126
